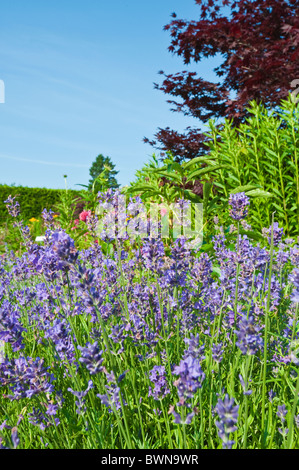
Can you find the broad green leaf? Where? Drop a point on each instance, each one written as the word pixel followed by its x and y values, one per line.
pixel 208 169
pixel 254 235
pixel 196 160
pixel 258 193
pixel 241 189
pixel 271 152
pixel 169 175
pixel 207 187
pixel 142 188
pixel 216 270
pixel 191 196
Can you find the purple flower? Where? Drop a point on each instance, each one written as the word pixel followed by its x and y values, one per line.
pixel 153 254
pixel 282 412
pixel 228 415
pixel 12 206
pixel 190 380
pixel 277 234
pixel 111 399
pixel 48 218
pixel 92 357
pixel 64 248
pixel 80 403
pixel 194 349
pixel 244 386
pixel 202 269
pixel 157 377
pixel 52 409
pixel 176 275
pixel 38 418
pixel 271 394
pixel 11 329
pixel 60 334
pixel 178 419
pixel 238 203
pixel 4 425
pixel 249 338
pixel 26 377
pixel 294 277
pixel 283 432
pixel 217 353
pixel 14 437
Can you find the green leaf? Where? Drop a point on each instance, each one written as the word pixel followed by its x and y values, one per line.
pixel 207 187
pixel 275 190
pixel 258 193
pixel 216 270
pixel 79 234
pixel 206 247
pixel 144 187
pixel 175 166
pixel 191 196
pixel 169 175
pixel 196 160
pixel 254 235
pixel 241 189
pixel 271 152
pixel 208 169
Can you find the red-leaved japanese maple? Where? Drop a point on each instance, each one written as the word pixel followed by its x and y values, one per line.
pixel 258 40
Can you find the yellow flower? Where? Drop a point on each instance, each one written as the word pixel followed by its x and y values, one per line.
pixel 33 219
pixel 55 215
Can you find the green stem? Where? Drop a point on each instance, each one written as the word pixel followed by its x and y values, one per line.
pixel 291 421
pixel 246 401
pixel 236 288
pixel 264 431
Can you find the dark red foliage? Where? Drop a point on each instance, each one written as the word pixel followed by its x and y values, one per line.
pixel 258 40
pixel 181 145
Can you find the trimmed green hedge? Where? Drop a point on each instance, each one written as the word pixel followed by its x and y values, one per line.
pixel 32 200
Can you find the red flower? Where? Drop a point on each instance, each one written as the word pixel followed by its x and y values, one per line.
pixel 83 216
pixel 76 222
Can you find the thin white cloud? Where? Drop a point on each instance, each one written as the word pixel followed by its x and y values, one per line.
pixel 44 162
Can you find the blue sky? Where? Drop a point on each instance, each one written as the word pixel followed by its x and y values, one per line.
pixel 79 82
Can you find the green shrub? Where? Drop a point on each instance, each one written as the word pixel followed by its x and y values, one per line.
pixel 261 155
pixel 32 200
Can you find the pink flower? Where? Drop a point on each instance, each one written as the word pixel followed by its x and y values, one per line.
pixel 76 222
pixel 164 211
pixel 83 216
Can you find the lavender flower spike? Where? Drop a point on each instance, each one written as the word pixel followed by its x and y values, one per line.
pixel 157 377
pixel 294 278
pixel 277 234
pixel 238 203
pixel 12 206
pixel 92 357
pixel 249 336
pixel 228 415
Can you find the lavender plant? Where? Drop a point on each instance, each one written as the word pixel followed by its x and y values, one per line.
pixel 138 345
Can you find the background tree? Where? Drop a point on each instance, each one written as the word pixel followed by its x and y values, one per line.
pixel 103 166
pixel 258 40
